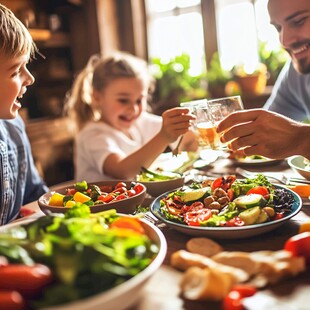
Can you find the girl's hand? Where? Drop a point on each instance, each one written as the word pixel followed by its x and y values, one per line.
pixel 176 122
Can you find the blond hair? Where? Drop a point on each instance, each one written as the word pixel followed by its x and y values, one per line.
pixel 97 74
pixel 15 39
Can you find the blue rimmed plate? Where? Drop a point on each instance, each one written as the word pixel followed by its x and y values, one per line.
pixel 227 232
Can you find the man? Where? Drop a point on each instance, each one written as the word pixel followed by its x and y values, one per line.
pixel 268 133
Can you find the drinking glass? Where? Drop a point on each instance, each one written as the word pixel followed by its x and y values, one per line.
pixel 207 118
pixel 228 104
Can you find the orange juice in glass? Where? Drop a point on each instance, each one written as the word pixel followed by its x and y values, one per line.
pixel 207 119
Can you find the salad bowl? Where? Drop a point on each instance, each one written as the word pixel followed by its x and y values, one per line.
pixel 298 164
pixel 157 183
pixel 122 295
pixel 125 206
pixel 236 232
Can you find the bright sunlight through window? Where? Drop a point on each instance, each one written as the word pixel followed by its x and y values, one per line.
pixel 176 27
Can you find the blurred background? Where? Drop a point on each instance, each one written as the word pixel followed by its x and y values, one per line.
pixel 195 48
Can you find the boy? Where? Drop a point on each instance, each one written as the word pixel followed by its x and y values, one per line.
pixel 19 180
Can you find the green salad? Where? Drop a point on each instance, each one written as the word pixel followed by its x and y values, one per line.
pixel 87 252
pixel 227 202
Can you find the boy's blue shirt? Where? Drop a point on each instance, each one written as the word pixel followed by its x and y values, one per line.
pixel 20 182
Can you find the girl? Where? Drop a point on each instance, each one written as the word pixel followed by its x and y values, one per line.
pixel 116 135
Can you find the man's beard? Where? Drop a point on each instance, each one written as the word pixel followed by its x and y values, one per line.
pixel 302 65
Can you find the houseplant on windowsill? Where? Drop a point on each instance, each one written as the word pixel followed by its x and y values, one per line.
pixel 174 83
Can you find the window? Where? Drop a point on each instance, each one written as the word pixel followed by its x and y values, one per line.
pixel 176 27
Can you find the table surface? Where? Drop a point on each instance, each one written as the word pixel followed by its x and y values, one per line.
pixel 162 290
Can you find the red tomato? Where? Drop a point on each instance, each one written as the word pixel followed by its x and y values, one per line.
pixel 128 223
pixel 11 300
pixel 120 184
pixel 233 300
pixel 106 188
pixel 24 211
pixel 107 198
pixel 279 216
pixel 138 187
pixel 28 280
pixel 70 191
pixel 131 192
pixel 299 245
pixel 121 197
pixel 194 218
pixel 120 190
pixel 245 290
pixel 223 182
pixel 235 222
pixel 261 190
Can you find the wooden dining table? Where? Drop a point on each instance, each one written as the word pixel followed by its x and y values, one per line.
pixel 162 291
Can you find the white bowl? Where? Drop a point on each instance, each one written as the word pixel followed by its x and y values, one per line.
pixel 297 164
pixel 156 188
pixel 126 294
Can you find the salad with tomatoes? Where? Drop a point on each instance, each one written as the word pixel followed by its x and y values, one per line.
pixel 92 194
pixel 227 202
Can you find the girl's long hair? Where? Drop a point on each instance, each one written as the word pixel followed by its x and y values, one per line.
pixel 97 74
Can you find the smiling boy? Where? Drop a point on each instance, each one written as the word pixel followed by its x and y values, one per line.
pixel 20 182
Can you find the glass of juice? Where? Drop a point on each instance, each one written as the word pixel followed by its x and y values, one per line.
pixel 207 118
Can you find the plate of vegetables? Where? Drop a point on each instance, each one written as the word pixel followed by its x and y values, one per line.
pixel 227 208
pixel 158 182
pixel 78 260
pixel 123 196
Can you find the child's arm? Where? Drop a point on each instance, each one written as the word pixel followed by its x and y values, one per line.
pixel 176 122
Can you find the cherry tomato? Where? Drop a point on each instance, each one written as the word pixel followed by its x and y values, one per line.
pixel 299 245
pixel 194 218
pixel 24 211
pixel 261 190
pixel 223 182
pixel 138 187
pixel 70 191
pixel 233 300
pixel 278 216
pixel 106 188
pixel 121 197
pixel 107 198
pixel 131 192
pixel 120 184
pixel 244 290
pixel 120 190
pixel 235 222
pixel 11 300
pixel 128 223
pixel 28 280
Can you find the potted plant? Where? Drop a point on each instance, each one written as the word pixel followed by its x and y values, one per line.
pixel 174 83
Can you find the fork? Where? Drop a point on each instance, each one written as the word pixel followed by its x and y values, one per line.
pixel 281 179
pixel 152 219
pixel 175 152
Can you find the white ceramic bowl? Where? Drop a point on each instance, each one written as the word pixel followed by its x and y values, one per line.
pixel 128 293
pixel 297 164
pixel 156 188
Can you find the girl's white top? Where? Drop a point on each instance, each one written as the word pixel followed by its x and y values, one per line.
pixel 97 140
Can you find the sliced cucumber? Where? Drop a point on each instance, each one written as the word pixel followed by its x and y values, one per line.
pixel 250 216
pixel 196 194
pixel 250 201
